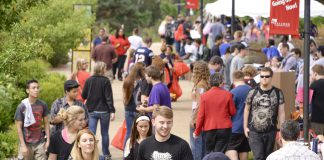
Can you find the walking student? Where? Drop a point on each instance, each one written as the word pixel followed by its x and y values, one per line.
pixel 71 88
pixel 238 146
pixel 29 116
pixel 214 116
pixel 160 95
pixel 264 105
pixel 121 44
pixel 100 103
pixel 201 85
pixel 163 144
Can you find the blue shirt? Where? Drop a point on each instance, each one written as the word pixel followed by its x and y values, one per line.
pixel 240 93
pixel 223 47
pixel 159 95
pixel 96 41
pixel 271 52
pixel 144 55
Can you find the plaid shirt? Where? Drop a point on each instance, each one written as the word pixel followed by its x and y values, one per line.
pixel 293 151
pixel 62 103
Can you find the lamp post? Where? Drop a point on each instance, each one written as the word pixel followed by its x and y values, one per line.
pixel 233 19
pixel 202 19
pixel 306 68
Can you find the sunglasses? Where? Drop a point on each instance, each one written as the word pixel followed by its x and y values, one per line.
pixel 268 76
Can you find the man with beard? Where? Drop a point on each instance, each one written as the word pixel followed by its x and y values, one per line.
pixel 264 105
pixel 164 145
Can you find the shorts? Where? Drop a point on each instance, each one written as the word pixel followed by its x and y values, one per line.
pixel 239 143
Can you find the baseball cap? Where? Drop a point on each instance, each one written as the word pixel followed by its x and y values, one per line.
pixel 70 84
pixel 216 60
pixel 216 156
pixel 243 45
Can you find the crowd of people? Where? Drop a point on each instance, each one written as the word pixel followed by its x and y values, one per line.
pixel 235 107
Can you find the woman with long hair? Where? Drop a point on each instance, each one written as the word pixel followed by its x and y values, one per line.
pixel 121 44
pixel 131 94
pixel 85 146
pixel 142 128
pixel 200 78
pixel 80 75
pixel 61 142
pixel 100 103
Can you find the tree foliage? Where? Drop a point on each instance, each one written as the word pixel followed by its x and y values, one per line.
pixel 131 13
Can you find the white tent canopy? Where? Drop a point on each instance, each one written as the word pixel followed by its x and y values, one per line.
pixel 255 8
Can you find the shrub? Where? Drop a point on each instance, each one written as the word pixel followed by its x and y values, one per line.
pixel 9 95
pixel 32 69
pixel 9 143
pixel 52 88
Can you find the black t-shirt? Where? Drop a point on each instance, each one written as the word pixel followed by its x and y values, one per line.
pixel 59 147
pixel 264 106
pixel 318 101
pixel 174 148
pixel 133 152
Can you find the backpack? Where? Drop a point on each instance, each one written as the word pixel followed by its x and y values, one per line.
pixel 257 88
pixel 206 54
pixel 168 30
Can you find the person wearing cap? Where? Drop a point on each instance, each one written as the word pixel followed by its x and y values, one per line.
pixel 223 47
pixel 70 99
pixel 216 156
pixel 214 115
pixel 238 61
pixel 215 64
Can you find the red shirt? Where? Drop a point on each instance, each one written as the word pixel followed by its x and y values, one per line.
pixel 215 111
pixel 81 76
pixel 123 47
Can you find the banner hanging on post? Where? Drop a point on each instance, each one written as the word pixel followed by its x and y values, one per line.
pixel 192 4
pixel 284 17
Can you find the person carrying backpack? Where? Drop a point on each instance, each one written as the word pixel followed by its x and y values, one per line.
pixel 264 105
pixel 169 31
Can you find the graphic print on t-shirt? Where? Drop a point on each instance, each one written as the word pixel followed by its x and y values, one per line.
pixel 161 156
pixel 263 111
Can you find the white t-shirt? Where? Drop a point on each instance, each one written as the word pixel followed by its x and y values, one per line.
pixel 193 50
pixel 135 41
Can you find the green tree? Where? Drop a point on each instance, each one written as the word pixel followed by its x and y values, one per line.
pixel 131 13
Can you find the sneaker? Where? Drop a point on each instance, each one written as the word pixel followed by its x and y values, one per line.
pixel 108 157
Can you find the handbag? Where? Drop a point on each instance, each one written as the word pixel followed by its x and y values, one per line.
pixel 119 138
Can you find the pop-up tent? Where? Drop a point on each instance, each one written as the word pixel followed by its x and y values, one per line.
pixel 255 8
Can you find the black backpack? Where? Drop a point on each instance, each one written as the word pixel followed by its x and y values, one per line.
pixel 168 30
pixel 257 88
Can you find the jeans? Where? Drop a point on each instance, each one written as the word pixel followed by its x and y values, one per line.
pixel 129 116
pixel 262 144
pixel 104 125
pixel 217 140
pixel 177 45
pixel 198 148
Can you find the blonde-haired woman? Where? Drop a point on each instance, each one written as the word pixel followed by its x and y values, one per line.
pixel 80 75
pixel 61 142
pixel 85 146
pixel 200 78
pixel 100 103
